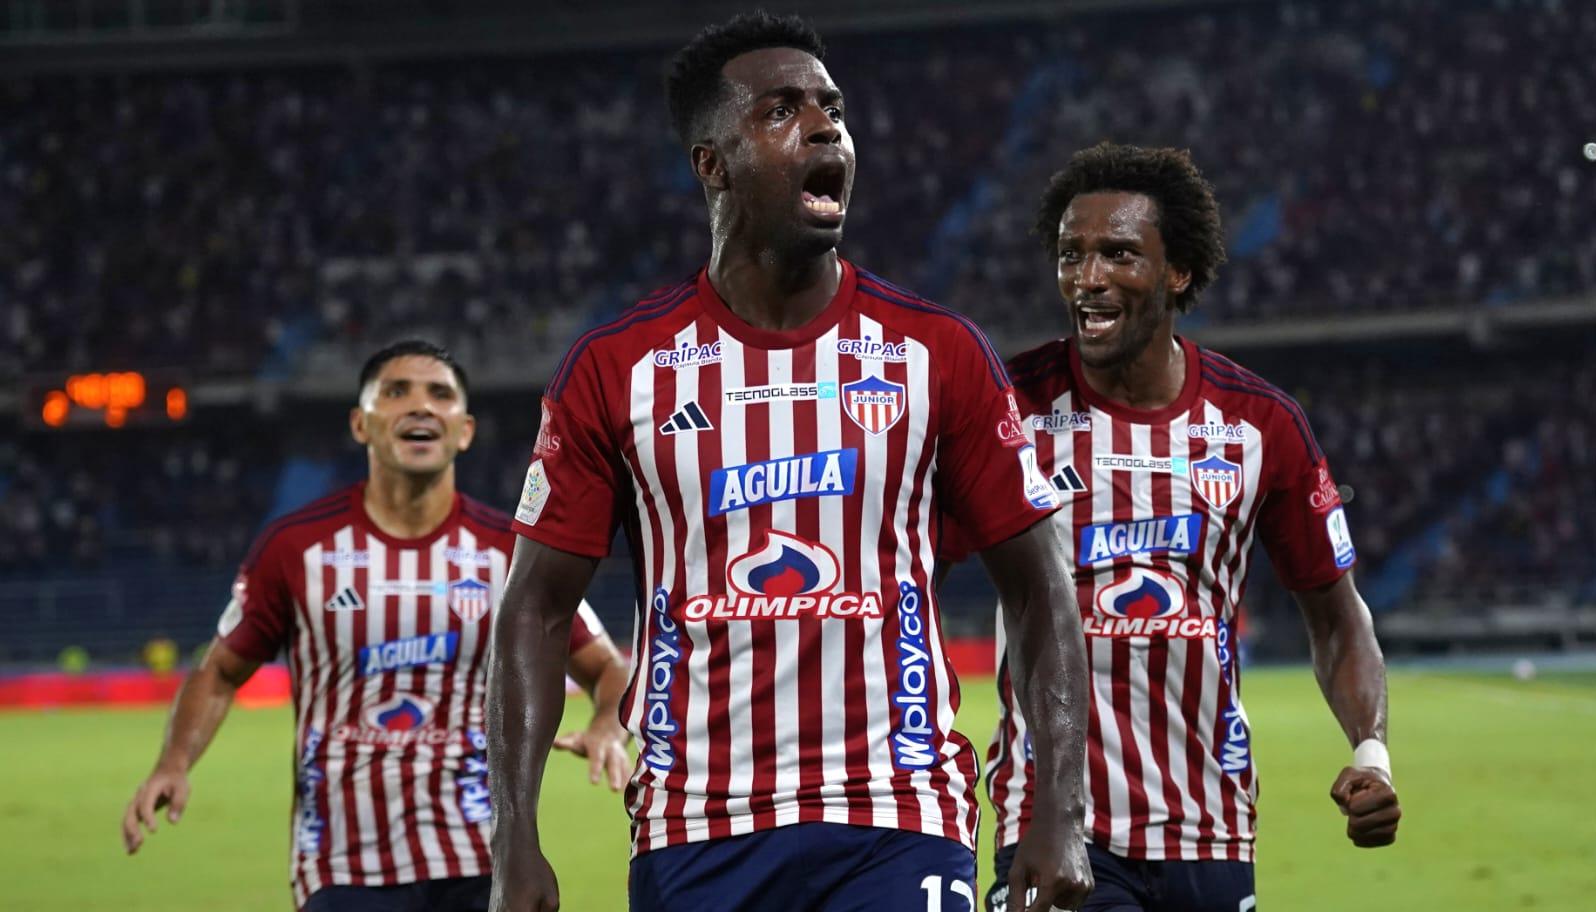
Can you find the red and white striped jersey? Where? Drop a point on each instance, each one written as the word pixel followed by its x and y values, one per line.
pixel 386 641
pixel 1160 510
pixel 780 490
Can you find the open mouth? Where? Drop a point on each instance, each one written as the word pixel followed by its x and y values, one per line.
pixel 420 435
pixel 1096 319
pixel 824 188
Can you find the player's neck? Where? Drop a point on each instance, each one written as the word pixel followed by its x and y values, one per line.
pixel 1150 381
pixel 769 291
pixel 409 506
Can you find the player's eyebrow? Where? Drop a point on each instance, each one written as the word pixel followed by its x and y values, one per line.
pixel 825 95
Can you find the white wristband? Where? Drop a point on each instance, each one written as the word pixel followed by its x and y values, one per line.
pixel 1372 753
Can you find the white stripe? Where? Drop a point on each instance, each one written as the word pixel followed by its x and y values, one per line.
pixel 833 643
pixel 739 638
pixel 341 661
pixel 1101 648
pixel 1213 773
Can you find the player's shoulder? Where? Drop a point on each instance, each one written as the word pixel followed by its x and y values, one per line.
pixel 488 523
pixel 618 342
pixel 299 528
pixel 1239 390
pixel 1040 374
pixel 925 320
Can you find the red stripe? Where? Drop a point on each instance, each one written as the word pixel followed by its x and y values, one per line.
pixel 812 707
pixel 388 611
pixel 720 658
pixel 856 750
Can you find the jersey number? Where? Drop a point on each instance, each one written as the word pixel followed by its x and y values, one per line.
pixel 932 886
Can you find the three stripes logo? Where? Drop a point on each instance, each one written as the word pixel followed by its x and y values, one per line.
pixel 347 599
pixel 1068 481
pixel 687 419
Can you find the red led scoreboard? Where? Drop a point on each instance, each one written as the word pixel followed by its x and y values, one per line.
pixel 105 399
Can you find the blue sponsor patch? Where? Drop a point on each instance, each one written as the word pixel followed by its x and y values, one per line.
pixel 409 652
pixel 1155 535
pixel 808 475
pixel 914 740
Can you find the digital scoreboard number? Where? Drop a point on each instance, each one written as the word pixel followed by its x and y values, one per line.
pixel 111 399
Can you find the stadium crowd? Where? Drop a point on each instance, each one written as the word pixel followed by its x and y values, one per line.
pixel 1368 156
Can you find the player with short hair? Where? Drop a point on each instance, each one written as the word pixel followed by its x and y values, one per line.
pixel 380 596
pixel 1170 458
pixel 777 435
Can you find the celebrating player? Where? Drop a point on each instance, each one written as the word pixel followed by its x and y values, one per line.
pixel 777 435
pixel 380 596
pixel 1169 457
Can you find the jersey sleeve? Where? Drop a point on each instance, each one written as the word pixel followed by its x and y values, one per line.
pixel 987 475
pixel 259 617
pixel 1302 522
pixel 585 627
pixel 569 498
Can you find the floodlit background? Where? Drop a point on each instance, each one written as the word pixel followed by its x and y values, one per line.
pixel 211 211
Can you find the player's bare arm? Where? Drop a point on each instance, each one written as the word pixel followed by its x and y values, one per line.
pixel 1351 672
pixel 600 671
pixel 1047 658
pixel 197 712
pixel 525 698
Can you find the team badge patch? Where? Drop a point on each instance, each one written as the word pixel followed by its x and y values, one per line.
pixel 468 599
pixel 1217 479
pixel 873 403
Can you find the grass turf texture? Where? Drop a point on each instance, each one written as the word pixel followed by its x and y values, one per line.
pixel 1494 776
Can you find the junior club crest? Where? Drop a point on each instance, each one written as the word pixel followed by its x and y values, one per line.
pixel 1217 479
pixel 873 403
pixel 468 598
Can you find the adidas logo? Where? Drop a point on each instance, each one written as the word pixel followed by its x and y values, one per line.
pixel 1068 481
pixel 688 418
pixel 346 600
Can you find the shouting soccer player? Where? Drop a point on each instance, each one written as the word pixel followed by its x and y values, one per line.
pixel 777 434
pixel 381 597
pixel 1169 458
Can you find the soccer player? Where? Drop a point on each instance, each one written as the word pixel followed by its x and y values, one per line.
pixel 1169 459
pixel 777 434
pixel 381 597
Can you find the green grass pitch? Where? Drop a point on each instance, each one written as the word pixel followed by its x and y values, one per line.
pixel 1495 775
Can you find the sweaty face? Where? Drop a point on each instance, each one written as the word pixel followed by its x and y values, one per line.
pixel 788 156
pixel 412 416
pixel 1113 275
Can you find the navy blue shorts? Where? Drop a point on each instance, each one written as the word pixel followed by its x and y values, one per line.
pixel 1124 885
pixel 817 867
pixel 451 894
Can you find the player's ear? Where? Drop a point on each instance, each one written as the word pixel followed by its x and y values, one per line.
pixel 708 165
pixel 468 432
pixel 357 425
pixel 1180 278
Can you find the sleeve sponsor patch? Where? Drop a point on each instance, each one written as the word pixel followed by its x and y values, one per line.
pixel 534 494
pixel 1335 523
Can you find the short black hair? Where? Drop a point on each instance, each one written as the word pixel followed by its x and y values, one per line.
pixel 1188 214
pixel 405 348
pixel 693 83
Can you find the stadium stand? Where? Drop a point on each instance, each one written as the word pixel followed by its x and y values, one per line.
pixel 276 223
